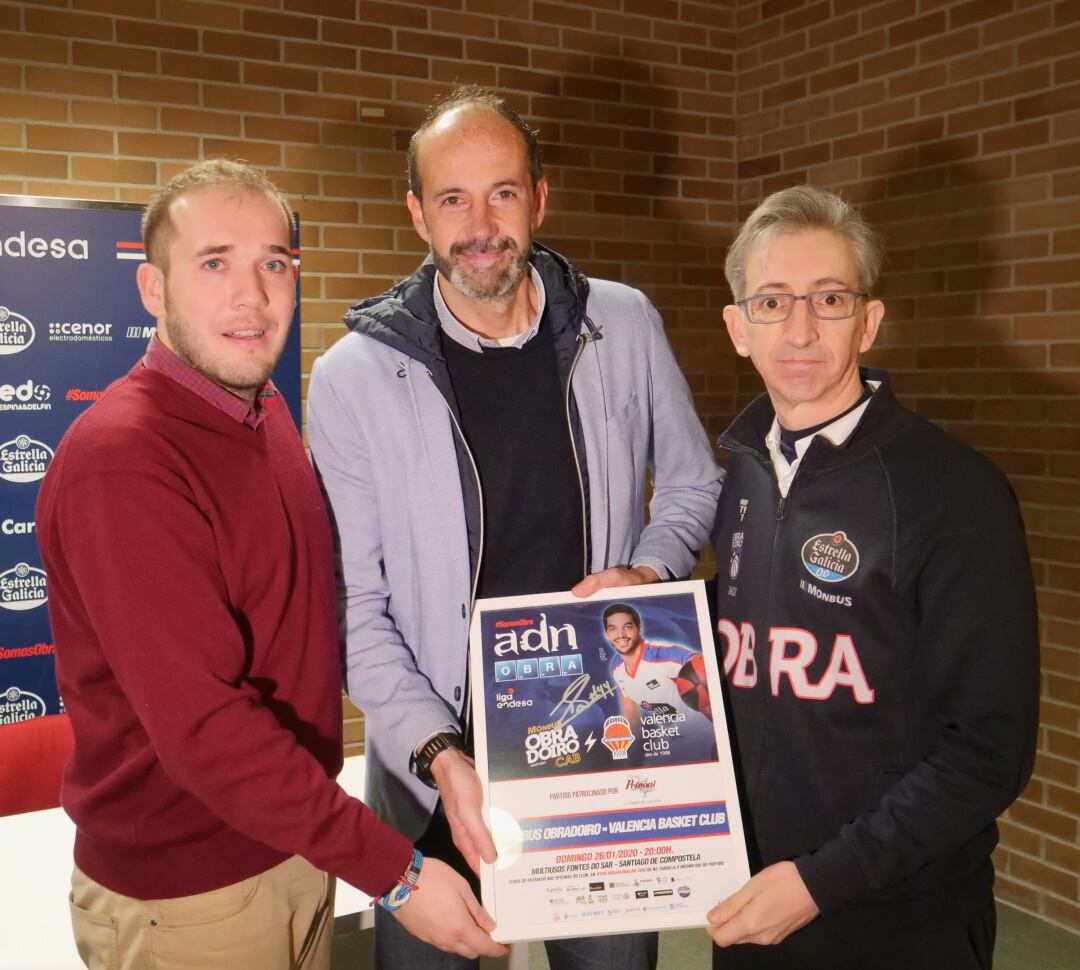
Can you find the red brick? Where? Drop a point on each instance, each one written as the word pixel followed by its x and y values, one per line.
pixel 515 55
pixel 233 98
pixel 948 46
pixel 37 164
pixel 834 78
pixel 292 26
pixel 322 55
pixel 241 46
pixel 394 14
pixel 192 13
pixel 950 98
pixel 911 31
pixel 357 84
pixel 921 79
pixel 977 11
pixel 256 152
pixel 280 76
pixel 391 64
pixel 465 25
pixel 434 45
pixel 339 9
pixel 1029 19
pixel 220 69
pixel 111 114
pixel 62 23
pixel 55 80
pixel 883 14
pixel 977 119
pixel 136 9
pixel 69 139
pixel 467 72
pixel 161 36
pixel 888 62
pixel 109 57
pixel 90 169
pixel 1055 101
pixel 1024 80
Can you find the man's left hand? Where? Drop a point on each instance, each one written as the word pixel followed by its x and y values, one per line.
pixel 616 576
pixel 771 906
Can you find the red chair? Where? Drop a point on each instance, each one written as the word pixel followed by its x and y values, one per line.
pixel 32 758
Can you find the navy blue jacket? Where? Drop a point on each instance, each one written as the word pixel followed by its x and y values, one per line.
pixel 888 710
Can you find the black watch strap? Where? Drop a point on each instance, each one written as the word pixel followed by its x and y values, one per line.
pixel 420 763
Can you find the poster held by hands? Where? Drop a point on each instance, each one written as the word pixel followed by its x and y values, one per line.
pixel 602 749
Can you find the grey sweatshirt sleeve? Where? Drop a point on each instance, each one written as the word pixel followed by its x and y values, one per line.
pixel 686 480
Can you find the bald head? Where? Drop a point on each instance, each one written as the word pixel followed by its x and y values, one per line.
pixel 464 104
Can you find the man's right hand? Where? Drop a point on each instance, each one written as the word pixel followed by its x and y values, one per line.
pixel 442 911
pixel 455 776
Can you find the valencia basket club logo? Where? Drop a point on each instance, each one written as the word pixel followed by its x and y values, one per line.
pixel 618 737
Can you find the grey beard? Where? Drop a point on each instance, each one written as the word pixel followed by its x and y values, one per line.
pixel 492 288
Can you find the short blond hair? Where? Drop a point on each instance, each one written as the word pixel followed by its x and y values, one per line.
pixel 157 225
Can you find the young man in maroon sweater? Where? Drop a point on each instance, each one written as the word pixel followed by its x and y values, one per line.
pixel 192 601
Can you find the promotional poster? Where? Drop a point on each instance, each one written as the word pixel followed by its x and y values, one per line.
pixel 602 748
pixel 71 323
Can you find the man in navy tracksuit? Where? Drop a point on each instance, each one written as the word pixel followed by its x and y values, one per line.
pixel 877 625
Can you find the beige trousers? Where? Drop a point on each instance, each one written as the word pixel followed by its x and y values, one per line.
pixel 282 919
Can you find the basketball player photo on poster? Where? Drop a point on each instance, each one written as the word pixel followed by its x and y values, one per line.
pixel 602 748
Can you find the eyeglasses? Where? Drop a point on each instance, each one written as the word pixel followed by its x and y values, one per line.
pixel 822 304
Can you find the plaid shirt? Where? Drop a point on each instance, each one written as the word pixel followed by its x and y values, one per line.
pixel 159 358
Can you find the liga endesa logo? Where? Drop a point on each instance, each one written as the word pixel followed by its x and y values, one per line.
pixel 20 246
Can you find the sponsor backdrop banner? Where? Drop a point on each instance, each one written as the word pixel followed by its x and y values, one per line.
pixel 71 323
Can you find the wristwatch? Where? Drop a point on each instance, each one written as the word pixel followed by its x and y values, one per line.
pixel 420 762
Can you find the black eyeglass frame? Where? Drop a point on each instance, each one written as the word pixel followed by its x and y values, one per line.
pixel 742 305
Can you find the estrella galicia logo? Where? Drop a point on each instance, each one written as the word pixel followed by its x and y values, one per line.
pixel 16 331
pixel 22 587
pixel 20 705
pixel 24 460
pixel 830 557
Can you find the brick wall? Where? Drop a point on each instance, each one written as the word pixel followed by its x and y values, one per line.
pixel 956 123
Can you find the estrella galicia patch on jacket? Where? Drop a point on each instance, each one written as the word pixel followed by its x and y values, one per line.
pixel 830 557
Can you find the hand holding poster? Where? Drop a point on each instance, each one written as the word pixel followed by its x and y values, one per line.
pixel 602 749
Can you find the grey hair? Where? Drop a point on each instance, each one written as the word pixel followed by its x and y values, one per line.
pixel 805 207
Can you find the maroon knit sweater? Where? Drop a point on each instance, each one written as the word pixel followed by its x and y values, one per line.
pixel 191 595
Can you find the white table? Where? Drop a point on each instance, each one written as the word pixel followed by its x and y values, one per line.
pixel 35 877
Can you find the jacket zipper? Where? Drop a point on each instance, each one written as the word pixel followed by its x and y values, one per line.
pixel 583 339
pixel 467 709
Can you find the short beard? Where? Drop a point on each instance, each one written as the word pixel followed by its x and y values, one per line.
pixel 243 383
pixel 493 288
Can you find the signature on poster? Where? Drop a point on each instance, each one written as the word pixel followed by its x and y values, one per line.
pixel 574 704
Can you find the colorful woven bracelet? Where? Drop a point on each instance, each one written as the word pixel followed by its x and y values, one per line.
pixel 399 892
